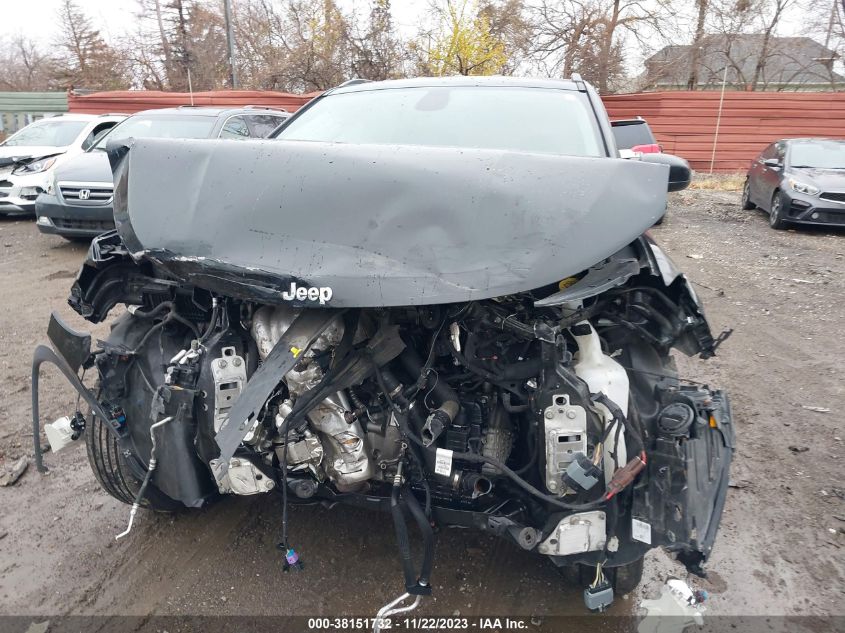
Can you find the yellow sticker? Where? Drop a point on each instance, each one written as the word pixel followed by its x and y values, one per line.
pixel 295 351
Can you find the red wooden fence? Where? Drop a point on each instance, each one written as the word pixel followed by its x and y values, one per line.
pixel 129 101
pixel 685 122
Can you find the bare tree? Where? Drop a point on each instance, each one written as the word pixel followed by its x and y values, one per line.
pixel 85 59
pixel 698 40
pixel 179 44
pixel 775 9
pixel 573 36
pixel 24 66
pixel 376 49
pixel 508 22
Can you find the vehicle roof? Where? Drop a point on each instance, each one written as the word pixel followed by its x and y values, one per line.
pixel 211 111
pixel 72 117
pixel 495 81
pixel 810 139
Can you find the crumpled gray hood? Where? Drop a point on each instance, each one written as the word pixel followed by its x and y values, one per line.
pixel 379 225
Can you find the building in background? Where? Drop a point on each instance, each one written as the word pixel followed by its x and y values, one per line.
pixel 752 63
pixel 19 109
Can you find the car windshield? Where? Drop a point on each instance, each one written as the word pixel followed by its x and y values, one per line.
pixel 160 126
pixel 631 134
pixel 47 133
pixel 818 154
pixel 508 118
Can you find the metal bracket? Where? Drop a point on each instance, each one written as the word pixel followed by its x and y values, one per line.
pixel 282 358
pixel 44 354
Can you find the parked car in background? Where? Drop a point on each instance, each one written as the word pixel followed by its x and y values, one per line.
pixel 29 157
pixel 798 181
pixel 635 135
pixel 78 202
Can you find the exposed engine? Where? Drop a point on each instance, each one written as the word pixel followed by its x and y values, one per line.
pixel 554 418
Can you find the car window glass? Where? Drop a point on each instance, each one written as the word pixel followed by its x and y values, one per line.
pixel 160 126
pixel 631 134
pixel 768 153
pixel 95 134
pixel 260 125
pixel 235 127
pixel 821 154
pixel 47 133
pixel 504 118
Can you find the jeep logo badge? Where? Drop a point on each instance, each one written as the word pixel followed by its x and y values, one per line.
pixel 84 194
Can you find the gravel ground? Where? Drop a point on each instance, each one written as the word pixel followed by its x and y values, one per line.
pixel 780 547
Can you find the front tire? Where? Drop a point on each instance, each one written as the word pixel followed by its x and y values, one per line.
pixel 626 578
pixel 113 473
pixel 747 205
pixel 776 214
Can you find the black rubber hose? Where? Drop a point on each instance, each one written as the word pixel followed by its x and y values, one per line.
pixel 481 371
pixel 402 536
pixel 633 432
pixel 413 364
pixel 149 314
pixel 155 328
pixel 215 313
pixel 179 319
pixel 427 533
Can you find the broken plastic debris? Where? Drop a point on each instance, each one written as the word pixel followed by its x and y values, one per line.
pixel 676 608
pixel 815 409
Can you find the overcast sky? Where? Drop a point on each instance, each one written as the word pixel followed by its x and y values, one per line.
pixel 37 18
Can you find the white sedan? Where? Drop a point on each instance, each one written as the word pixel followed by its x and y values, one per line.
pixel 28 157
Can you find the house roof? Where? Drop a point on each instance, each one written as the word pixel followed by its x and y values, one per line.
pixel 789 61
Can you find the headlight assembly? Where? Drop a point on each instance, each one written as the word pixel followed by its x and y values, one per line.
pixel 803 187
pixel 36 166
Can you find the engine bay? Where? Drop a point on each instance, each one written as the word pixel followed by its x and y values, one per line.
pixel 553 418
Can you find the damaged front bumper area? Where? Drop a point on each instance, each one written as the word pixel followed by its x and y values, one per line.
pixel 677 501
pixel 539 403
pixel 679 505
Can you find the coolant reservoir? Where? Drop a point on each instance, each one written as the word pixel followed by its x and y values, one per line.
pixel 605 375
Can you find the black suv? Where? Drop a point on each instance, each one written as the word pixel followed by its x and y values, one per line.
pixel 78 203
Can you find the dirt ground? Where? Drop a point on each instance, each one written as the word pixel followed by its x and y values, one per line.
pixel 779 552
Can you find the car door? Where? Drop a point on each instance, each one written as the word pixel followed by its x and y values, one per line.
pixel 772 175
pixel 756 174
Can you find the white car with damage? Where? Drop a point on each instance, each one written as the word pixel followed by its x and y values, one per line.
pixel 29 157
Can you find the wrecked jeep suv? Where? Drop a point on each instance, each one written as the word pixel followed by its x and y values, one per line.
pixel 431 297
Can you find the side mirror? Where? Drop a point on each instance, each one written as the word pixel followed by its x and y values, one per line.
pixel 680 173
pixel 774 163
